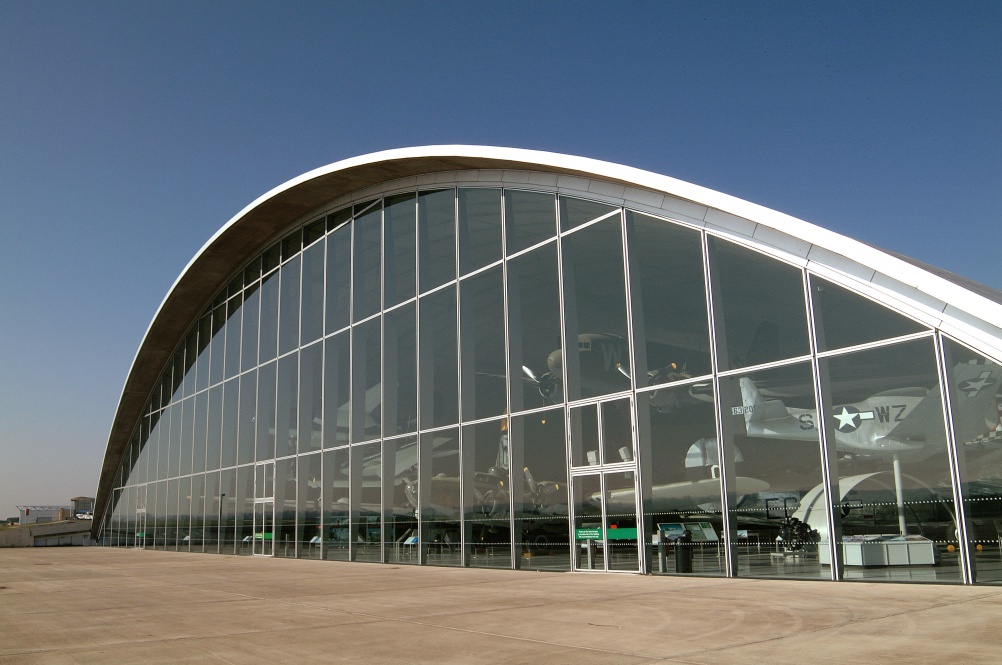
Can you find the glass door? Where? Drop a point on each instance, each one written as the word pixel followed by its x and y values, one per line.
pixel 605 521
pixel 141 528
pixel 604 486
pixel 264 509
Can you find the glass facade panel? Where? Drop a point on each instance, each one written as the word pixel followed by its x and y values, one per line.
pixel 575 212
pixel 487 494
pixel 367 502
pixel 245 443
pixel 268 335
pixel 843 318
pixel 534 329
pixel 438 361
pixel 366 262
pixel 437 220
pixel 540 499
pixel 483 348
pixel 337 389
pixel 894 502
pixel 310 532
pixel 595 311
pixel 399 249
pixel 400 491
pixel 440 498
pixel 338 307
pixel 772 449
pixel 759 309
pixel 975 386
pixel 400 371
pixel 337 504
pixel 366 381
pixel 479 228
pixel 529 219
pixel 231 407
pixel 679 456
pixel 288 323
pixel 312 304
pixel 311 406
pixel 668 297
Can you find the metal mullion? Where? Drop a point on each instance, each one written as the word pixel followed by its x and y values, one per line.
pixel 877 344
pixel 967 568
pixel 742 371
pixel 464 559
pixel 829 454
pixel 590 222
pixel 527 249
pixel 352 519
pixel 730 561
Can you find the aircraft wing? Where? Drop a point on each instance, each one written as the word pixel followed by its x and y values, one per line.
pixel 925 418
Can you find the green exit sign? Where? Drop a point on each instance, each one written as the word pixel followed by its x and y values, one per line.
pixel 591 533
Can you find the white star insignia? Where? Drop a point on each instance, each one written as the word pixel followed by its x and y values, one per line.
pixel 846 419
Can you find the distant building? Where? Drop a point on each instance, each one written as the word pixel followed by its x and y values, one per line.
pixel 472 356
pixel 40 514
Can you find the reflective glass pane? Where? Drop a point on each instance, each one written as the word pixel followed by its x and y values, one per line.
pixel 289 306
pixel 534 328
pixel 595 310
pixel 621 533
pixel 617 431
pixel 400 489
pixel 187 423
pixel 287 401
pixel 584 436
pixel 400 371
pixel 227 510
pixel 285 508
pixel 437 219
pixel 265 423
pixel 399 249
pixel 366 260
pixel 218 345
pixel 234 317
pixel 337 389
pixel 366 386
pixel 771 440
pixel 311 407
pixel 589 529
pixel 190 354
pixel 529 217
pixel 539 480
pixel 269 317
pixel 759 310
pixel 487 494
pixel 201 430
pixel 309 529
pixel 439 359
pixel 575 212
pixel 479 228
pixel 249 330
pixel 678 447
pixel 668 296
pixel 231 406
pixel 215 423
pixel 895 501
pixel 483 349
pixel 196 534
pixel 202 363
pixel 843 318
pixel 312 305
pixel 975 387
pixel 338 306
pixel 244 505
pixel 367 508
pixel 337 506
pixel 440 498
pixel 247 430
pixel 212 507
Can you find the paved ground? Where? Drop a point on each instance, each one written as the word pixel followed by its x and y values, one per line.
pixel 101 605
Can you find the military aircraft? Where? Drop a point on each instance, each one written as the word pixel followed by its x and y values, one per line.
pixel 603 360
pixel 905 423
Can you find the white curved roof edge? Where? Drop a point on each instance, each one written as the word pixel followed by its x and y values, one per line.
pixel 976 306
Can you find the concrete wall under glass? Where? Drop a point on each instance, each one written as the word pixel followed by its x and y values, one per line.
pixel 514 378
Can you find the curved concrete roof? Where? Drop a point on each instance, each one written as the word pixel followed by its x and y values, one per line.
pixel 969 310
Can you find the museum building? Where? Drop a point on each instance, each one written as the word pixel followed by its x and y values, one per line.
pixel 495 357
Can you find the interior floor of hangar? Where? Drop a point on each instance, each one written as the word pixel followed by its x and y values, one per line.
pixel 90 605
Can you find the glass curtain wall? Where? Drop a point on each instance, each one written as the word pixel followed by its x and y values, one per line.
pixel 431 377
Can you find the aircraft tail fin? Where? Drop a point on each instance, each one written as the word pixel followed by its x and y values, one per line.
pixel 757 407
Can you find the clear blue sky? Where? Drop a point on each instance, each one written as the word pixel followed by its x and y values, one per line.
pixel 131 131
